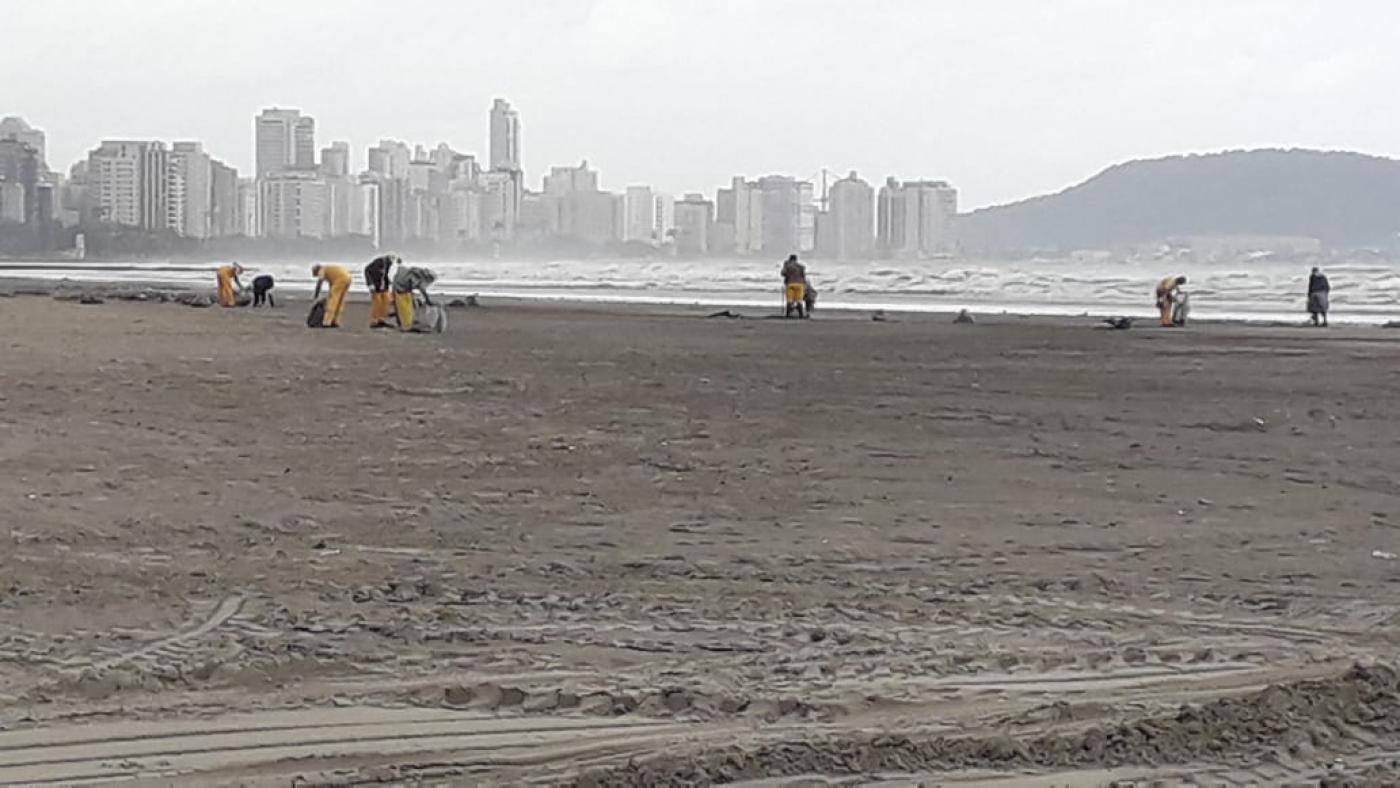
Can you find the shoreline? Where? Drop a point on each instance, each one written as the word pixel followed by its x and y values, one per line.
pixel 163 291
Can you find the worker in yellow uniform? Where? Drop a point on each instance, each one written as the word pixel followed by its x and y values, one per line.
pixel 229 284
pixel 410 280
pixel 1167 291
pixel 339 281
pixel 379 277
pixel 794 287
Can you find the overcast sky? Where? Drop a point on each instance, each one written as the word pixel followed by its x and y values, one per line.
pixel 1006 98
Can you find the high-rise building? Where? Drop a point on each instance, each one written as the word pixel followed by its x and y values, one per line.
pixel 536 217
pixel 250 223
pixel 378 162
pixel 340 205
pixel 723 233
pixel 567 180
pixel 639 215
pixel 665 222
pixel 390 158
pixel 505 137
pixel 595 217
pixel 365 217
pixel 225 210
pixel 128 184
pixel 188 189
pixel 15 128
pixel 12 203
pixel 915 218
pixel 789 215
pixel 285 140
pixel 335 160
pixel 846 231
pixel 748 220
pixel 500 206
pixel 292 205
pixel 20 169
pixel 695 218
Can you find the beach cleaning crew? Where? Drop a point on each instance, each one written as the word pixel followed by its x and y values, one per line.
pixel 338 279
pixel 410 280
pixel 794 287
pixel 379 275
pixel 1319 290
pixel 229 284
pixel 1167 291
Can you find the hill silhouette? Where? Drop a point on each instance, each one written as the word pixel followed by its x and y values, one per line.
pixel 1341 199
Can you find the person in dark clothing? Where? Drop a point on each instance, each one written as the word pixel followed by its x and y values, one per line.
pixel 379 277
pixel 794 287
pixel 1319 290
pixel 262 291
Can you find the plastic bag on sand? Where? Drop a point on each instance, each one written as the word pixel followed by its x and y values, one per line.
pixel 429 319
pixel 317 316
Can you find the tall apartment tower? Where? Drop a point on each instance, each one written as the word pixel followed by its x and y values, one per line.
pixel 285 140
pixel 189 189
pixel 128 184
pixel 505 137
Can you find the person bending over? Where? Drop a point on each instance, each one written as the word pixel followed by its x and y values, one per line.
pixel 339 281
pixel 262 291
pixel 408 281
pixel 378 275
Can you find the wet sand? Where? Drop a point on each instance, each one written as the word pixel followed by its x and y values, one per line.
pixel 639 548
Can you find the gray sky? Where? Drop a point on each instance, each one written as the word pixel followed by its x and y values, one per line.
pixel 1006 98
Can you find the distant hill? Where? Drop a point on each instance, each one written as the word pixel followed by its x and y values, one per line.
pixel 1341 199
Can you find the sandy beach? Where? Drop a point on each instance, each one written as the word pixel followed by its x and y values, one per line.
pixel 642 547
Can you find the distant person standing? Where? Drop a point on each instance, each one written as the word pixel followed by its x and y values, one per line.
pixel 794 287
pixel 339 281
pixel 1168 291
pixel 1319 292
pixel 379 277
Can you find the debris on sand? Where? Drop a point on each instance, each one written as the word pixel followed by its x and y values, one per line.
pixel 91 299
pixel 1281 721
pixel 726 313
pixel 879 316
pixel 964 318
pixel 464 303
pixel 1119 323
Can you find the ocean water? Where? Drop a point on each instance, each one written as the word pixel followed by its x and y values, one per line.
pixel 1362 292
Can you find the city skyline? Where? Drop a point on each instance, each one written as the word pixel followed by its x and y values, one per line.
pixel 1007 99
pixel 441 199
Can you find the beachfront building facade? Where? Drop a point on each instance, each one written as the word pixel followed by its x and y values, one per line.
pixel 505 137
pixel 774 215
pixel 284 139
pixel 846 230
pixel 916 218
pixel 694 223
pixel 15 128
pixel 20 181
pixel 189 189
pixel 639 215
pixel 128 184
pixel 225 208
pixel 292 205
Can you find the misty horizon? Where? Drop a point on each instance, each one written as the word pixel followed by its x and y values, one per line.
pixel 1007 101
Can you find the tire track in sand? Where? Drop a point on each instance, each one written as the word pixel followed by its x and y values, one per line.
pixel 226 610
pixel 312 739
